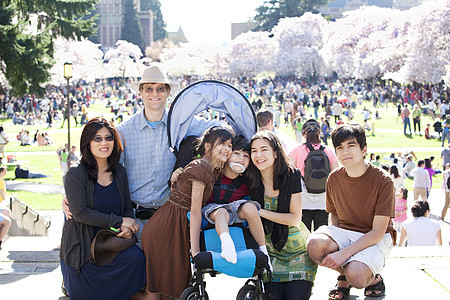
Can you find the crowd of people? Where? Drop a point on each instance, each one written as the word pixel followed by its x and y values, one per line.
pixel 303 208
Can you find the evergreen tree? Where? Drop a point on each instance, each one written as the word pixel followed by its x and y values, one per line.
pixel 159 26
pixel 131 29
pixel 27 56
pixel 268 14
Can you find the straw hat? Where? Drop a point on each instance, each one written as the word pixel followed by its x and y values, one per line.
pixel 154 74
pixel 106 245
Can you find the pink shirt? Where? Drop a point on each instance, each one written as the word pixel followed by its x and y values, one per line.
pixel 301 152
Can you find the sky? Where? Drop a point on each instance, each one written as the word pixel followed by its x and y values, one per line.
pixel 207 22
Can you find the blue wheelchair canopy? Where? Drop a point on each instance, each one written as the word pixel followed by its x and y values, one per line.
pixel 209 94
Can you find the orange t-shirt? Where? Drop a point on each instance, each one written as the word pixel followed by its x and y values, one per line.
pixel 357 200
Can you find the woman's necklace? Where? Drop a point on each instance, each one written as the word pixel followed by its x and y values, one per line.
pixel 104 178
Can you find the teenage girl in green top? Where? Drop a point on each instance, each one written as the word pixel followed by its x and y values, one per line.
pixel 276 185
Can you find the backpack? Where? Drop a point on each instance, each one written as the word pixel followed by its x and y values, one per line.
pixel 317 169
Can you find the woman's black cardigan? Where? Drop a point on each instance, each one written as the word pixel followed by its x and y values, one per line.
pixel 78 232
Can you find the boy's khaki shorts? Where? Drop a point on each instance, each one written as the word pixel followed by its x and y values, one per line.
pixel 374 256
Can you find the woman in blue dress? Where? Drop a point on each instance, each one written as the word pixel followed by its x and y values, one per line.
pixel 98 197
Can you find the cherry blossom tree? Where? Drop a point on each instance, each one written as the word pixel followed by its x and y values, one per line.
pixel 367 43
pixel 299 40
pixel 428 43
pixel 189 59
pixel 124 60
pixel 353 45
pixel 85 56
pixel 251 53
pixel 406 46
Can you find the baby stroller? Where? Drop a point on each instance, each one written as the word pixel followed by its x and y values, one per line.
pixel 252 263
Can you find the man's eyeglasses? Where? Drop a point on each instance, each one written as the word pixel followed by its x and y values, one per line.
pixel 99 139
pixel 159 89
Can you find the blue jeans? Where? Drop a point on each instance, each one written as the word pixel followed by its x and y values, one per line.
pixel 445 136
pixel 406 122
pixel 36 175
pixel 316 115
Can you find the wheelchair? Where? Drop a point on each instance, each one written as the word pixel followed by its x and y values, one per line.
pixel 251 263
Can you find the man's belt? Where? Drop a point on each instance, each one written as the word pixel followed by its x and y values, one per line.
pixel 144 213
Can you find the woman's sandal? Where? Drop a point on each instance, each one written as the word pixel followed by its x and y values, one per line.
pixel 340 290
pixel 376 290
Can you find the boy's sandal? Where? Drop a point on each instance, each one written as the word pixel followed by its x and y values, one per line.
pixel 376 290
pixel 340 290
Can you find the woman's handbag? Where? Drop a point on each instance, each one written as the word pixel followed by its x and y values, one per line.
pixel 106 245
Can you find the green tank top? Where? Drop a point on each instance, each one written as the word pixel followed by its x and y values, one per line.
pixel 292 262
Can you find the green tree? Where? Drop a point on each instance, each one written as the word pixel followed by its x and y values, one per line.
pixel 268 14
pixel 159 26
pixel 26 55
pixel 131 29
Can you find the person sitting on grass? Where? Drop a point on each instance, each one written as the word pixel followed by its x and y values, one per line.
pixel 25 173
pixel 421 231
pixel 377 161
pixel 41 141
pixel 427 132
pixel 409 166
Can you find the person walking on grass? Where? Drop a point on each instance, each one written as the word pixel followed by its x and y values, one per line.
pixel 422 182
pixel 416 118
pixel 406 120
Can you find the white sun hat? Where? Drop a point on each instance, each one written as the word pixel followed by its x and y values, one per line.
pixel 154 74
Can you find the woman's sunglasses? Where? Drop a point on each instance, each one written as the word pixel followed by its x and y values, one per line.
pixel 99 139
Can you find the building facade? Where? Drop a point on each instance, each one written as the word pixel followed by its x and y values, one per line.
pixel 111 20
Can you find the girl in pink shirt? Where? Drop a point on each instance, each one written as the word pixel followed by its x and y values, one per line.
pixel 313 205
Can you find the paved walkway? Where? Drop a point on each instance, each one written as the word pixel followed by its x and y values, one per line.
pixel 36 187
pixel 29 269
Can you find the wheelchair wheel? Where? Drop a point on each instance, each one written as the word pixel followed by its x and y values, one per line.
pixel 248 292
pixel 192 293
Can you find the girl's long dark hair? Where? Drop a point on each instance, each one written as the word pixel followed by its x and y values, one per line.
pixel 282 164
pixel 87 158
pixel 214 136
pixel 427 163
pixel 394 171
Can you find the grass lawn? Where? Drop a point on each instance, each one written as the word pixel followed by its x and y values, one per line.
pixel 388 134
pixel 57 134
pixel 45 164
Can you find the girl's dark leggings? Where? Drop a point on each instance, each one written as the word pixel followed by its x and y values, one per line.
pixel 292 290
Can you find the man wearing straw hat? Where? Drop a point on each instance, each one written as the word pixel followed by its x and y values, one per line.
pixel 146 155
